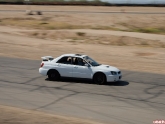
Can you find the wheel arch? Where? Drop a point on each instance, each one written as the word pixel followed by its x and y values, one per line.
pixel 50 70
pixel 101 73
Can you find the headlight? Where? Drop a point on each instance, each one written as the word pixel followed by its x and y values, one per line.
pixel 113 73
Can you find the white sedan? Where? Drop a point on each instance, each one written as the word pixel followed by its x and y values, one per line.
pixel 78 66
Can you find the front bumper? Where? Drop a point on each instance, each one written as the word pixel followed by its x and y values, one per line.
pixel 113 78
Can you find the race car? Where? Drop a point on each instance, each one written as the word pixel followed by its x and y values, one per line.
pixel 78 66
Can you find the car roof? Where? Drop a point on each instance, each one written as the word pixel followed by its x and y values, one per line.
pixel 74 55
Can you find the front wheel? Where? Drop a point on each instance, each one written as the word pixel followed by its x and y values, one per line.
pixel 99 78
pixel 53 75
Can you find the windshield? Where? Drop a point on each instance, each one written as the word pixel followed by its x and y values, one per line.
pixel 91 61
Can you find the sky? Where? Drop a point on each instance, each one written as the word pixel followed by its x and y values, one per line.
pixel 136 1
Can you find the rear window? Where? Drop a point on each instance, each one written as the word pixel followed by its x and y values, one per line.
pixel 65 60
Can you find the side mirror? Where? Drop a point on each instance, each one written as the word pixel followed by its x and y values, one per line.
pixel 87 65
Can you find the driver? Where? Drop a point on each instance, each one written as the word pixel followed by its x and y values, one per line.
pixel 80 62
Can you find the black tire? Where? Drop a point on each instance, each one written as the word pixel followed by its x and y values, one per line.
pixel 53 75
pixel 99 78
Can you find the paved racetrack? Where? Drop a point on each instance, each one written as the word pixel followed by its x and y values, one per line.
pixel 138 99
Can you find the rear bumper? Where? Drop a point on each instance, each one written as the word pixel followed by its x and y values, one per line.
pixel 113 78
pixel 43 71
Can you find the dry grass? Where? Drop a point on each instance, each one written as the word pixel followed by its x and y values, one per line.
pixel 48 23
pixel 80 37
pixel 153 23
pixel 38 24
pixel 144 54
pixel 149 30
pixel 144 29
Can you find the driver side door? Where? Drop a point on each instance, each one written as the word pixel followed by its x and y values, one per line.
pixel 80 70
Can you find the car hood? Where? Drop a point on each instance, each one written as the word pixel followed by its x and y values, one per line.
pixel 107 68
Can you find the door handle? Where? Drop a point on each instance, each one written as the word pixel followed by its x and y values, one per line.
pixel 75 67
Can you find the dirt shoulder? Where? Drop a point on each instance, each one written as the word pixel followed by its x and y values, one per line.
pixel 12 115
pixel 83 19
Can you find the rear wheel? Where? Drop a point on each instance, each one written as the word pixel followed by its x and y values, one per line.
pixel 99 78
pixel 53 75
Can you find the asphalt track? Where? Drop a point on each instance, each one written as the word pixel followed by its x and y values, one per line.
pixel 138 99
pixel 94 12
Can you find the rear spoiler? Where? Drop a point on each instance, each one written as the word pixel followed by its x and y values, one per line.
pixel 47 58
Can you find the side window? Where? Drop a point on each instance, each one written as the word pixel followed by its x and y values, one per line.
pixel 78 61
pixel 65 60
